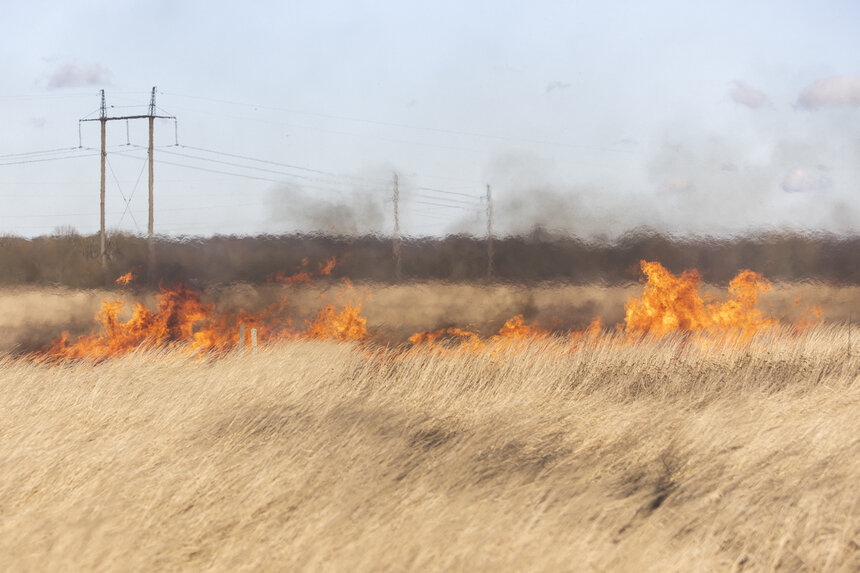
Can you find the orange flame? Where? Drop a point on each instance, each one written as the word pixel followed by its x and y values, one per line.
pixel 669 303
pixel 513 331
pixel 303 276
pixel 672 303
pixel 343 325
pixel 812 313
pixel 181 318
pixel 125 279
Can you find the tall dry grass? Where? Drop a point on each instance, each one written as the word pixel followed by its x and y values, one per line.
pixel 661 456
pixel 32 317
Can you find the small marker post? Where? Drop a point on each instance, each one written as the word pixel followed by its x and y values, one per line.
pixel 241 337
pixel 254 340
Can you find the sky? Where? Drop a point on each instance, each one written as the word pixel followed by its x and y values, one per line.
pixel 590 118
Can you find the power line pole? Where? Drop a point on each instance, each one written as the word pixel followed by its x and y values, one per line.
pixel 103 118
pixel 103 248
pixel 489 232
pixel 397 267
pixel 150 238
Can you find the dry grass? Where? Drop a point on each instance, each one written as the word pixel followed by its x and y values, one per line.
pixel 32 317
pixel 660 456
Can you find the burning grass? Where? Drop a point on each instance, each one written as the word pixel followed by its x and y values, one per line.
pixel 656 455
pixel 668 304
pixel 699 433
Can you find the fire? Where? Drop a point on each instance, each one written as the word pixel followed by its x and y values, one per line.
pixel 174 320
pixel 182 318
pixel 671 303
pixel 812 314
pixel 592 333
pixel 303 276
pixel 125 279
pixel 448 337
pixel 515 328
pixel 341 325
pixel 513 331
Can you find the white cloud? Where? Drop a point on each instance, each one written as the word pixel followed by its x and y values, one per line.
pixel 835 91
pixel 805 180
pixel 70 75
pixel 745 94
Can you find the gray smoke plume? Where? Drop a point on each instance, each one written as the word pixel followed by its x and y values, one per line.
pixel 744 94
pixel 294 208
pixel 71 75
pixel 835 91
pixel 702 187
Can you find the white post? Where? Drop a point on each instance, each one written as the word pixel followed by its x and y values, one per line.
pixel 254 340
pixel 241 337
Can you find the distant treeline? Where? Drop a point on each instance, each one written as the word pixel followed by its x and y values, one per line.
pixel 72 260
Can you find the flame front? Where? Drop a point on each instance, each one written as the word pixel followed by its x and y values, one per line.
pixel 178 311
pixel 181 318
pixel 671 303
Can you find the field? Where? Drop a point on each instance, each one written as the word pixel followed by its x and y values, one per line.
pixel 311 455
pixel 546 453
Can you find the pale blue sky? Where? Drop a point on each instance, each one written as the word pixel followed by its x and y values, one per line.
pixel 592 117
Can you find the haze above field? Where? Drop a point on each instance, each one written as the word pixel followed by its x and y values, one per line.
pixel 592 118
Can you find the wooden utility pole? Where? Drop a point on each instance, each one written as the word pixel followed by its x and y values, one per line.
pixel 103 118
pixel 397 267
pixel 150 237
pixel 103 248
pixel 489 232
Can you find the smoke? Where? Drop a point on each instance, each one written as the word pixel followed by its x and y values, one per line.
pixel 719 186
pixel 835 91
pixel 806 180
pixel 294 208
pixel 556 86
pixel 70 75
pixel 746 95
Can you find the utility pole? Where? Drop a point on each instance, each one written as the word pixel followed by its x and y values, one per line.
pixel 103 118
pixel 397 267
pixel 103 248
pixel 150 238
pixel 489 232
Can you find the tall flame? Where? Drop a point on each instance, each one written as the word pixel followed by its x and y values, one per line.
pixel 181 318
pixel 671 303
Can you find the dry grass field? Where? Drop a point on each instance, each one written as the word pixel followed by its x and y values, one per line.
pixel 666 455
pixel 30 317
pixel 618 451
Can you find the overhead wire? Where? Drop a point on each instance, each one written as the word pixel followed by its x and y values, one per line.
pixel 405 126
pixel 43 152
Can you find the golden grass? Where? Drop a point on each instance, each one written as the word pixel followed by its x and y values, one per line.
pixel 33 317
pixel 659 456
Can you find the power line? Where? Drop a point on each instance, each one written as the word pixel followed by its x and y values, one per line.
pixel 43 160
pixel 436 197
pixel 446 192
pixel 231 164
pixel 440 205
pixel 45 152
pixel 407 126
pixel 241 175
pixel 288 165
